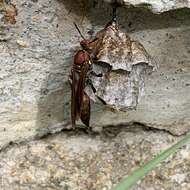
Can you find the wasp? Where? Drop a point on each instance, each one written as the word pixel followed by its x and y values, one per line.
pixel 82 66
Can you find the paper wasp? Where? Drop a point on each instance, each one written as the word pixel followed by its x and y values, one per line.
pixel 81 68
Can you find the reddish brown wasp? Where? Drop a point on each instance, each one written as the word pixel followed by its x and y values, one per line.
pixel 82 66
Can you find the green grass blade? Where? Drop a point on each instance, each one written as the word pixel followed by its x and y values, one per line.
pixel 127 182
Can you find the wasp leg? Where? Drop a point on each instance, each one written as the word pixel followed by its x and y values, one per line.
pixel 101 100
pixel 89 82
pixel 95 74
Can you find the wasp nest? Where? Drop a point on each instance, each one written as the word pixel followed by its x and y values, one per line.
pixel 124 64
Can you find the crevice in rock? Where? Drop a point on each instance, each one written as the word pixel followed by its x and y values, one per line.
pixel 133 126
pixel 150 128
pixel 108 131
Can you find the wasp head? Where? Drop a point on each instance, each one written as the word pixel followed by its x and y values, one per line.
pixel 88 45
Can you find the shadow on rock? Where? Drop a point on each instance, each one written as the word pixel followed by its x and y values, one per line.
pixel 54 101
pixel 132 19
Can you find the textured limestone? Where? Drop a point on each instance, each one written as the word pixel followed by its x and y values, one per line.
pixel 70 162
pixel 35 56
pixel 156 6
pixel 36 53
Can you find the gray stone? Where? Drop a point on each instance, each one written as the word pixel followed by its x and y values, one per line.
pixel 75 161
pixel 36 54
pixel 156 6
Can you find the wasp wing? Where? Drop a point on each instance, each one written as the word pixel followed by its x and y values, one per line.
pixel 74 105
pixel 85 109
pixel 81 83
pixel 82 98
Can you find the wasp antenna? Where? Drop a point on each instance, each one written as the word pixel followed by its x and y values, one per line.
pixel 78 30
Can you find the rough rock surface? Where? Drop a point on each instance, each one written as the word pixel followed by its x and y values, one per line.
pixel 36 53
pixel 35 56
pixel 83 162
pixel 156 6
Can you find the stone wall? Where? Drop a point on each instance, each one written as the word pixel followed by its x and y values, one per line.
pixel 37 51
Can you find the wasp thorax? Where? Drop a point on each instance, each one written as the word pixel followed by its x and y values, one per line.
pixel 80 57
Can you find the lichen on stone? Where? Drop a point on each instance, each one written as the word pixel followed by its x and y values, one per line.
pixel 8 11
